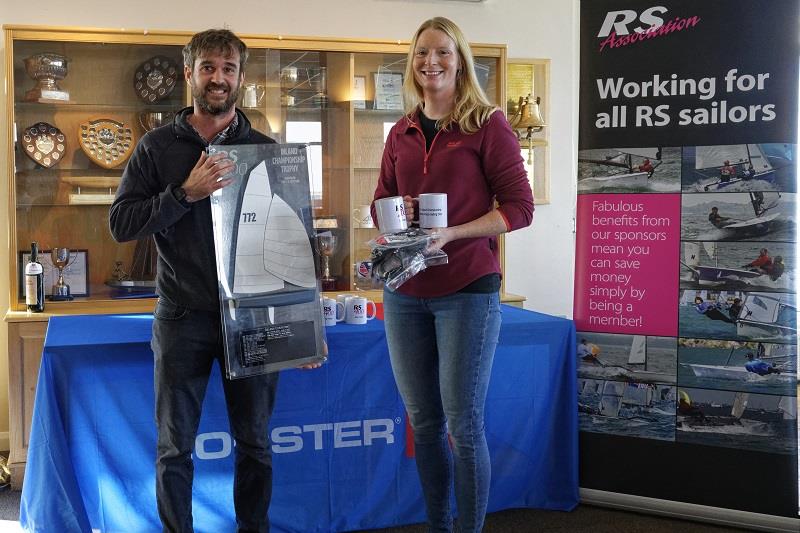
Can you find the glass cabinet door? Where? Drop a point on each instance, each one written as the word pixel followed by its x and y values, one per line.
pixel 79 109
pixel 82 99
pixel 302 96
pixel 377 105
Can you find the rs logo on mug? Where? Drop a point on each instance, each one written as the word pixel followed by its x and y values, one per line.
pixel 391 214
pixel 332 311
pixel 356 310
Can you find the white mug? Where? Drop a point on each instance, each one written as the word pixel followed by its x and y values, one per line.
pixel 252 94
pixel 362 218
pixel 332 311
pixel 342 298
pixel 356 312
pixel 289 75
pixel 391 214
pixel 432 210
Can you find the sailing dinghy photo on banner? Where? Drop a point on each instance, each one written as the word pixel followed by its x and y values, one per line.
pixel 686 235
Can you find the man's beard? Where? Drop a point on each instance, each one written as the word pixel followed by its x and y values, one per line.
pixel 199 95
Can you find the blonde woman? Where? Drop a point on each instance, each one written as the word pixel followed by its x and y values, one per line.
pixel 442 325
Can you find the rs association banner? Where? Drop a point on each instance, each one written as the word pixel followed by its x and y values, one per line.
pixel 685 294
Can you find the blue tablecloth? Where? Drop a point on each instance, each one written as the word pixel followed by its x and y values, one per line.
pixel 341 456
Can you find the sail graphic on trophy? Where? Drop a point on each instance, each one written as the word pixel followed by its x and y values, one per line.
pixel 271 255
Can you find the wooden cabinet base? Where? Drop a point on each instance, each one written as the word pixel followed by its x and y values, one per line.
pixel 25 343
pixel 17 475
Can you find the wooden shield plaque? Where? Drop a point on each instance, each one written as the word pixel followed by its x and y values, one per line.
pixel 44 143
pixel 155 79
pixel 107 142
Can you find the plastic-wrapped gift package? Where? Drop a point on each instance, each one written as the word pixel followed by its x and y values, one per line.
pixel 397 257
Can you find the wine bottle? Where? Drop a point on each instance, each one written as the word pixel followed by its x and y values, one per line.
pixel 34 281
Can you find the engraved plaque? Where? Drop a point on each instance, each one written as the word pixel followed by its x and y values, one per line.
pixel 44 143
pixel 155 79
pixel 107 142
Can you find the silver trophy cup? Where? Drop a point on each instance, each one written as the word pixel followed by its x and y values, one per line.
pixel 151 120
pixel 47 69
pixel 61 258
pixel 327 244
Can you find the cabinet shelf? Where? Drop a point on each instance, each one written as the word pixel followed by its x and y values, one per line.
pixel 94 107
pixel 57 172
pixel 396 113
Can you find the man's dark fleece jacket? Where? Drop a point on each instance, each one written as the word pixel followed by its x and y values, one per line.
pixel 145 205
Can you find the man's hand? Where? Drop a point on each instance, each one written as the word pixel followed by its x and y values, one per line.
pixel 312 366
pixel 204 178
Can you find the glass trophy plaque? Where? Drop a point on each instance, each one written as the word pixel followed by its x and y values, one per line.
pixel 264 241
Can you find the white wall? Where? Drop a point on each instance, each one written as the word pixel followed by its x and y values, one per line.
pixel 539 259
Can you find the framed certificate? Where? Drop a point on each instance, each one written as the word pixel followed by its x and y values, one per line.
pixel 388 90
pixel 76 273
pixel 359 96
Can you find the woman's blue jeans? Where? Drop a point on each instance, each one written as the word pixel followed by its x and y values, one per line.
pixel 442 351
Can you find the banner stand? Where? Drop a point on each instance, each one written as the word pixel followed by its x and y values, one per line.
pixel 688 511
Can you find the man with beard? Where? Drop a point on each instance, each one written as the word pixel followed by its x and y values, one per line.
pixel 164 192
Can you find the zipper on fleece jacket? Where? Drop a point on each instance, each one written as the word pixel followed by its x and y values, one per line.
pixel 427 152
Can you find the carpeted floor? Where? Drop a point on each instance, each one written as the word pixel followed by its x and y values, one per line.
pixel 9 504
pixel 583 519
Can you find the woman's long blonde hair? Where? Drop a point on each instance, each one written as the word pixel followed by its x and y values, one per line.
pixel 472 108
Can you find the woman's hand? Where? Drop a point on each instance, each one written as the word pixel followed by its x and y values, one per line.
pixel 408 202
pixel 439 237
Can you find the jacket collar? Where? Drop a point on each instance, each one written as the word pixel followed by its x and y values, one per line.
pixel 182 128
pixel 409 122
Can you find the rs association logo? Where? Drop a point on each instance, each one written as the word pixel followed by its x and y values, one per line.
pixel 626 27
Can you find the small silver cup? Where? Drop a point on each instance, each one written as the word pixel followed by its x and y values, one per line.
pixel 61 258
pixel 150 120
pixel 326 245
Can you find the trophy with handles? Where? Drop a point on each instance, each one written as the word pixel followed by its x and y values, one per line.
pixel 61 258
pixel 47 69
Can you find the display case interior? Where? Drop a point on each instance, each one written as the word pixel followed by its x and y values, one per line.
pixel 75 125
pixel 82 99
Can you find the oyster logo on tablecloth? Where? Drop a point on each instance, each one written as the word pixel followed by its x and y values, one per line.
pixel 107 142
